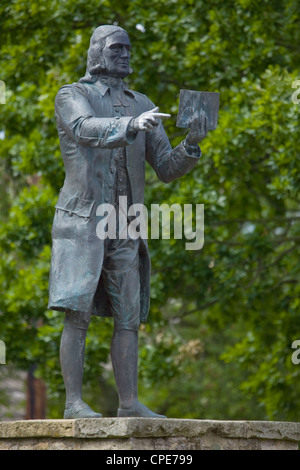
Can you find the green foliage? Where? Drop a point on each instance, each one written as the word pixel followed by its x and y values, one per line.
pixel 222 321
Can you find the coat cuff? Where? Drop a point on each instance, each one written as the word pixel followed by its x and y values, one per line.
pixel 192 151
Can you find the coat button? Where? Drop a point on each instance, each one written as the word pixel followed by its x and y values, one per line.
pixel 70 214
pixel 112 170
pixel 106 199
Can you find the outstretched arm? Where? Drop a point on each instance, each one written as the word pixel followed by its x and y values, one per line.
pixel 76 117
pixel 171 164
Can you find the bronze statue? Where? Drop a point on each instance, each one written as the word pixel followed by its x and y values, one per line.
pixel 106 133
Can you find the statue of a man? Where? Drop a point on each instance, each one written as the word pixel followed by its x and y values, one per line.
pixel 106 133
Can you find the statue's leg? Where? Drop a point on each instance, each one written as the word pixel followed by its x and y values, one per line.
pixel 72 350
pixel 124 354
pixel 121 277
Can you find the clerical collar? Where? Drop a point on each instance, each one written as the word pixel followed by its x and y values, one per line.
pixel 105 83
pixel 115 82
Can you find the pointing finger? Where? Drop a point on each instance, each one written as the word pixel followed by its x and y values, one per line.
pixel 161 115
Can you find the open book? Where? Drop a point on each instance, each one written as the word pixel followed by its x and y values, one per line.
pixel 191 102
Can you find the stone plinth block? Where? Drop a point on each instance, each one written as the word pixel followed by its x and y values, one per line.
pixel 148 434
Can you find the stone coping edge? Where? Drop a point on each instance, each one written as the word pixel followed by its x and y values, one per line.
pixel 105 428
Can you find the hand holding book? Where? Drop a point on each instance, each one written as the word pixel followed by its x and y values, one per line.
pixel 198 129
pixel 198 110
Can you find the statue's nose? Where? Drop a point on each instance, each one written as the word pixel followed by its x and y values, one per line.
pixel 125 52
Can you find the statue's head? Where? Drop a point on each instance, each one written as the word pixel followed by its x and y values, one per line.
pixel 109 53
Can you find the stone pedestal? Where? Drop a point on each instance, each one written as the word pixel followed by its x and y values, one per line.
pixel 148 434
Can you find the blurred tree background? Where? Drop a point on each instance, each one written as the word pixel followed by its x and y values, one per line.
pixel 223 318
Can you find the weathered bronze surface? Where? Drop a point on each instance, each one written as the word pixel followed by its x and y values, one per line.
pixel 107 133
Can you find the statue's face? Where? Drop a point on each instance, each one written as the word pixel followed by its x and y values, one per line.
pixel 116 54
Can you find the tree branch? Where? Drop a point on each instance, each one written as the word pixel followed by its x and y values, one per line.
pixel 201 307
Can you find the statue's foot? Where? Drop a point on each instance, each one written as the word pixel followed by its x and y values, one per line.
pixel 79 409
pixel 140 411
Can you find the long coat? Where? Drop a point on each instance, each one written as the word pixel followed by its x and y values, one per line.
pixel 90 127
